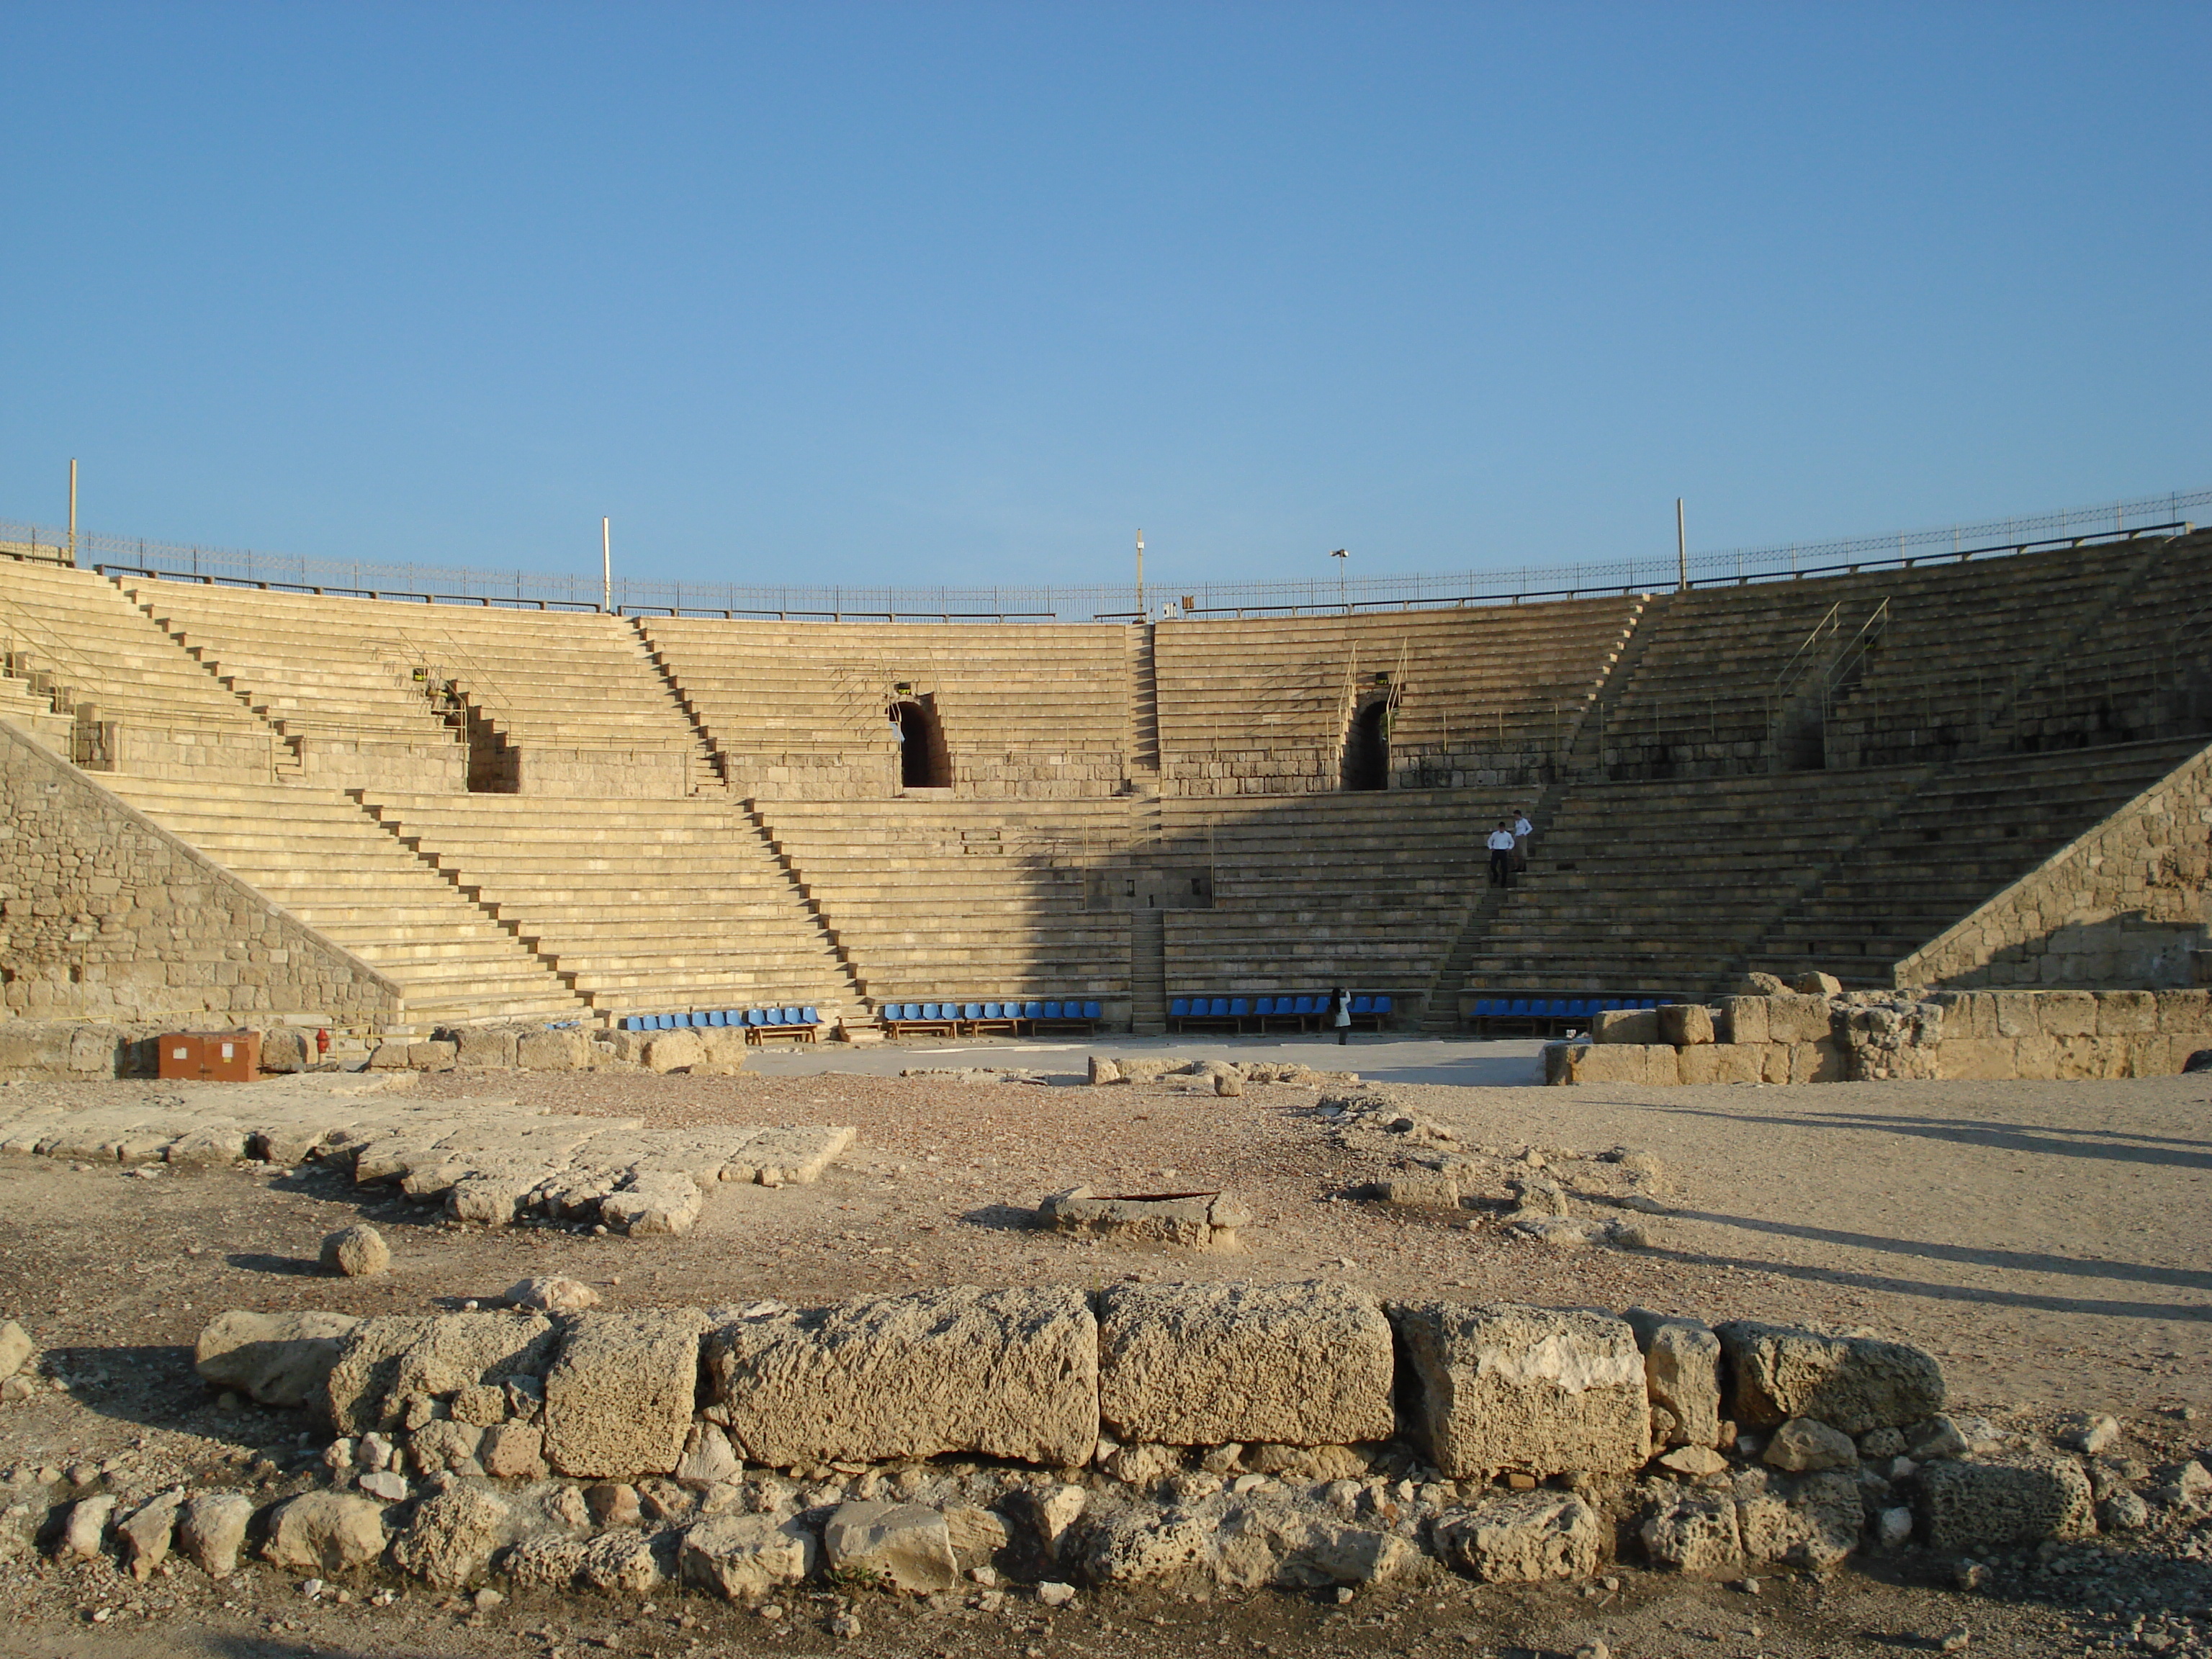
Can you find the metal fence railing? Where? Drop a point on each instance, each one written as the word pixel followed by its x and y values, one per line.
pixel 1104 602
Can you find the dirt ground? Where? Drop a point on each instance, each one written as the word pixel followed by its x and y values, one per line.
pixel 2049 1240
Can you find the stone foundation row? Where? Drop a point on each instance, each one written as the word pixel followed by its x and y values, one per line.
pixel 1781 1036
pixel 1244 1434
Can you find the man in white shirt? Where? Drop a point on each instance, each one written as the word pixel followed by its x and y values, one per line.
pixel 1501 856
pixel 1522 830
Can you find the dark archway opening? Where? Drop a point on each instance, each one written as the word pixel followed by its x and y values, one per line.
pixel 1367 748
pixel 924 760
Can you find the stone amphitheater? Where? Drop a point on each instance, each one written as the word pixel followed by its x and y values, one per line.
pixel 512 899
pixel 272 806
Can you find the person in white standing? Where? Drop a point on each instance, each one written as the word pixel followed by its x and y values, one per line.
pixel 1522 830
pixel 1340 1000
pixel 1501 856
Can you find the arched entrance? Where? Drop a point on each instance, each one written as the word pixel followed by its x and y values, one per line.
pixel 1367 747
pixel 924 760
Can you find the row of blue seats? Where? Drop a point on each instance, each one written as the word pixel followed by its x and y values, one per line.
pixel 1268 1007
pixel 897 1013
pixel 1539 1013
pixel 755 1017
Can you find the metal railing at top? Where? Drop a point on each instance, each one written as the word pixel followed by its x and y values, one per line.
pixel 445 584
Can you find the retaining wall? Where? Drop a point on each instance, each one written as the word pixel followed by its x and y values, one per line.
pixel 1868 1036
pixel 1300 1435
pixel 106 916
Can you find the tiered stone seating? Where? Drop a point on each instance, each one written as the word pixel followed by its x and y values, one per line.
pixel 1365 891
pixel 1957 643
pixel 2143 672
pixel 799 708
pixel 1488 695
pixel 645 906
pixel 1968 832
pixel 1701 698
pixel 322 858
pixel 932 900
pixel 577 696
pixel 347 681
pixel 157 712
pixel 1665 886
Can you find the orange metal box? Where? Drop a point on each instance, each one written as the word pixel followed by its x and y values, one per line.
pixel 213 1056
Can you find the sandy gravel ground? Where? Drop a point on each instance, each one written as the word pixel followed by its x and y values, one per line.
pixel 2048 1239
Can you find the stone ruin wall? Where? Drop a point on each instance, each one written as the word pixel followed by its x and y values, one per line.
pixel 2129 903
pixel 105 916
pixel 1828 1036
pixel 1299 1435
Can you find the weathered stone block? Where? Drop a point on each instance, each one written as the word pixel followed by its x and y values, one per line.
pixel 1774 1063
pixel 484 1048
pixel 1699 1065
pixel 1853 1383
pixel 212 1530
pixel 1681 1374
pixel 1810 1521
pixel 1204 1365
pixel 1523 1538
pixel 1965 1505
pixel 2184 1013
pixel 553 1051
pixel 1695 1533
pixel 1793 1017
pixel 2126 1013
pixel 744 1557
pixel 620 1395
pixel 1747 1018
pixel 368 1362
pixel 1976 1059
pixel 655 1202
pixel 326 1532
pixel 1817 1062
pixel 1736 1062
pixel 670 1051
pixel 1682 1024
pixel 280 1359
pixel 901 1546
pixel 1535 1390
pixel 1007 1373
pixel 2067 1013
pixel 1633 1026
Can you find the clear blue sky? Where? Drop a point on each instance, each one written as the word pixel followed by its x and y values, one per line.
pixel 944 292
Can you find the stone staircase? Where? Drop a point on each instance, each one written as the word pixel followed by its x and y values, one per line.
pixel 799 708
pixel 1366 890
pixel 982 901
pixel 134 700
pixel 322 858
pixel 347 684
pixel 643 906
pixel 1966 833
pixel 1486 696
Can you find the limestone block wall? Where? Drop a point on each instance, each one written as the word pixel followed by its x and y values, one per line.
pixel 1242 1435
pixel 105 916
pixel 2127 904
pixel 1807 1037
pixel 329 763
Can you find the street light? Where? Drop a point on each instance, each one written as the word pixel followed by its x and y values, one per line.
pixel 1343 595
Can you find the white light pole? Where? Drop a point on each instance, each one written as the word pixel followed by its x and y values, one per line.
pixel 1343 563
pixel 72 529
pixel 606 566
pixel 1682 550
pixel 1140 576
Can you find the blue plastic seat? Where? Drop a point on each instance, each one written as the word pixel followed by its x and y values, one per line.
pixel 1381 1004
pixel 1363 1005
pixel 1092 1011
pixel 1216 1008
pixel 1648 1002
pixel 1052 1011
pixel 1264 1007
pixel 1179 1009
pixel 1239 1006
pixel 756 1016
pixel 1518 1009
pixel 1032 1010
pixel 1304 1005
pixel 971 1011
pixel 809 1016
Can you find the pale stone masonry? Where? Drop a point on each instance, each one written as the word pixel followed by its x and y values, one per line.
pixel 107 916
pixel 2127 903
